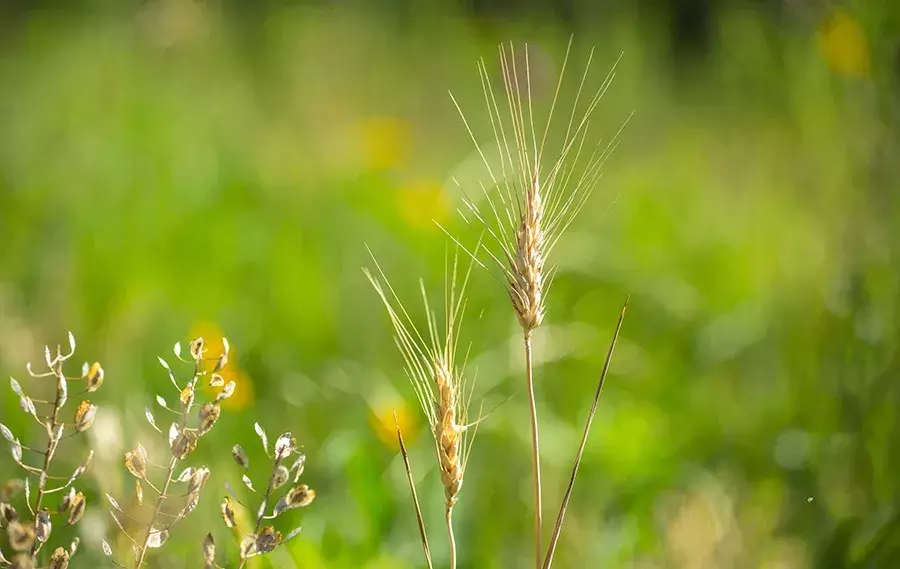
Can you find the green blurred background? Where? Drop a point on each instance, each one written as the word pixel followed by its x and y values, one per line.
pixel 177 168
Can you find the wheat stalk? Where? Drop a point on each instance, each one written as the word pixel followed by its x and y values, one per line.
pixel 529 206
pixel 554 539
pixel 27 538
pixel 182 441
pixel 437 379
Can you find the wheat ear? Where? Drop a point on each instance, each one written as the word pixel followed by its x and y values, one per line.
pixel 437 380
pixel 529 207
pixel 27 538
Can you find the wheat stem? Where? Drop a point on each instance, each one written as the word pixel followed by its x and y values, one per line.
pixel 587 428
pixel 535 450
pixel 451 538
pixel 415 496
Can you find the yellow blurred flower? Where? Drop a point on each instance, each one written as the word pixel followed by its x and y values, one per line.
pixel 421 204
pixel 843 43
pixel 243 391
pixel 381 417
pixel 385 141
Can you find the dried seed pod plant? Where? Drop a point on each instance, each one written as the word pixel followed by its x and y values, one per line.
pixel 531 197
pixel 288 463
pixel 439 382
pixel 153 520
pixel 29 532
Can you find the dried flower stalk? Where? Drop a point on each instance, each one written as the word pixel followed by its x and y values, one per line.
pixel 438 381
pixel 27 537
pixel 529 206
pixel 283 452
pixel 182 441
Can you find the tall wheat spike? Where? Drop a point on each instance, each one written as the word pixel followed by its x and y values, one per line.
pixel 531 199
pixel 438 380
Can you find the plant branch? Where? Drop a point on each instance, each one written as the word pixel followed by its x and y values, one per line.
pixel 52 443
pixel 415 496
pixel 587 428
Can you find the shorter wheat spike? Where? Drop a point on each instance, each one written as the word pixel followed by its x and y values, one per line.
pixel 437 380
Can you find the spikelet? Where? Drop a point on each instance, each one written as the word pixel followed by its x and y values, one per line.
pixel 532 196
pixel 433 371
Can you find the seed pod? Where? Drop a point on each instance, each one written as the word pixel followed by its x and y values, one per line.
pixel 279 476
pixel 284 446
pixel 186 395
pixel 226 392
pixel 209 414
pixel 84 416
pixel 209 550
pixel 300 497
pixel 216 380
pixel 228 513
pixel 157 537
pixel 66 502
pixel 198 479
pixel 7 513
pixel 248 546
pixel 136 462
pixel 94 377
pixel 197 349
pixel 21 535
pixel 23 561
pixel 59 559
pixel 221 361
pixel 240 456
pixel 44 527
pixel 267 540
pixel 184 444
pixel 139 492
pixel 78 505
pixel 9 488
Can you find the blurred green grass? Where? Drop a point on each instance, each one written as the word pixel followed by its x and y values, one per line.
pixel 184 169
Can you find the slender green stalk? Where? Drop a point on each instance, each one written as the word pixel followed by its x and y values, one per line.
pixel 173 463
pixel 415 496
pixel 535 451
pixel 587 428
pixel 451 538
